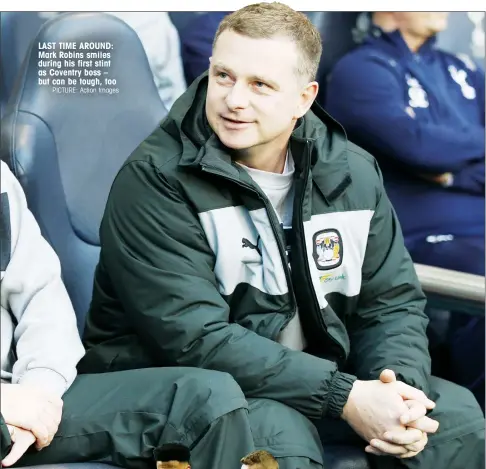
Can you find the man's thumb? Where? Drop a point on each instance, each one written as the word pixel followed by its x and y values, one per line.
pixel 388 376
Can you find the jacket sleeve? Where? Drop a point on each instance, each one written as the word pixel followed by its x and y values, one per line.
pixel 47 342
pixel 159 261
pixel 365 95
pixel 388 328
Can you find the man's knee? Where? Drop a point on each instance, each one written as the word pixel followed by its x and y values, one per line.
pixel 456 407
pixel 459 440
pixel 284 431
pixel 213 385
pixel 199 398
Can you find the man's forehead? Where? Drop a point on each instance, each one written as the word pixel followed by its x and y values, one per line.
pixel 269 76
pixel 249 56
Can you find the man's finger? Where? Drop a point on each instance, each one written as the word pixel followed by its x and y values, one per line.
pixel 41 433
pixel 425 424
pixel 376 452
pixel 23 439
pixel 51 423
pixel 410 454
pixel 416 411
pixel 404 437
pixel 409 392
pixel 388 376
pixel 419 445
pixel 389 448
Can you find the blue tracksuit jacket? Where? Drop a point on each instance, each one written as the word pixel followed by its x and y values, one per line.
pixel 420 114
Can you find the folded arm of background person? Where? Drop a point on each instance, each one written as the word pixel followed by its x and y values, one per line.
pixel 161 266
pixel 388 328
pixel 35 304
pixel 366 96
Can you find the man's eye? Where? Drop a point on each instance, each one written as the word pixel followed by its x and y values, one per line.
pixel 260 84
pixel 222 75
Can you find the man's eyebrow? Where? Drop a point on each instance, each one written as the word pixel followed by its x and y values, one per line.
pixel 222 66
pixel 268 81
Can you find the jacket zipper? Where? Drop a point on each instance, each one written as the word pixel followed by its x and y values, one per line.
pixel 316 310
pixel 273 223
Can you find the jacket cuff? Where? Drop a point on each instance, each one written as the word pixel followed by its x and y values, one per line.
pixel 45 378
pixel 341 386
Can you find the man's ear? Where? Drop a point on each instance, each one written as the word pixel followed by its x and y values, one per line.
pixel 307 96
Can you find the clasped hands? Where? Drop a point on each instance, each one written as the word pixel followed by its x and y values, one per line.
pixel 390 416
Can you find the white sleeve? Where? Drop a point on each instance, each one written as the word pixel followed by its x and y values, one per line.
pixel 48 346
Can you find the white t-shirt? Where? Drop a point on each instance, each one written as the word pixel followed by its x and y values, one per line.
pixel 279 189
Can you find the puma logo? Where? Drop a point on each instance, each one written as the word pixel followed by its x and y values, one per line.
pixel 245 243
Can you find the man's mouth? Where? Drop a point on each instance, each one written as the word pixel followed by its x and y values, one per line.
pixel 235 121
pixel 233 124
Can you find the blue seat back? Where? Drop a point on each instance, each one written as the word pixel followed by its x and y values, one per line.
pixel 66 148
pixel 340 33
pixel 17 30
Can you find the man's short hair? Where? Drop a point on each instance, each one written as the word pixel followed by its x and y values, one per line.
pixel 270 20
pixel 261 459
pixel 172 452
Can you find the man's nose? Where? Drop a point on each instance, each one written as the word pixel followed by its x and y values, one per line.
pixel 237 97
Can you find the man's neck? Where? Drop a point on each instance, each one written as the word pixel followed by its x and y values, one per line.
pixel 264 158
pixel 388 25
pixel 414 43
pixel 274 163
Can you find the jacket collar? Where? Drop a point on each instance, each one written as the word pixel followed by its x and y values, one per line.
pixel 317 136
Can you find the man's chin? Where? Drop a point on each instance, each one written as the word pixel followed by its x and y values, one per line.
pixel 236 142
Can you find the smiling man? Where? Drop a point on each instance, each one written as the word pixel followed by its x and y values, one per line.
pixel 247 235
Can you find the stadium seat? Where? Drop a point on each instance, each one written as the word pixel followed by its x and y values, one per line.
pixel 66 149
pixel 181 18
pixel 340 32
